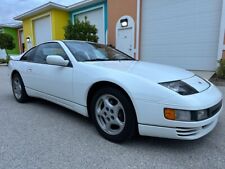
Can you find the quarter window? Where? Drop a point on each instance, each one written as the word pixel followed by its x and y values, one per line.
pixel 29 56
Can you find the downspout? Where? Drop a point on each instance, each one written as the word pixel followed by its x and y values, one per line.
pixel 222 32
pixel 138 30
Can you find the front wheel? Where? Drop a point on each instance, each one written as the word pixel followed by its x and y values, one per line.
pixel 113 114
pixel 19 89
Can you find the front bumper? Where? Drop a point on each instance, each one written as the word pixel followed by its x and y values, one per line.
pixel 183 133
pixel 153 123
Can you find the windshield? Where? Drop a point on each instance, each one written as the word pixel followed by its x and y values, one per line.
pixel 84 51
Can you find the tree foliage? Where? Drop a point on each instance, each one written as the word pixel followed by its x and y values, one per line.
pixel 6 41
pixel 81 30
pixel 221 69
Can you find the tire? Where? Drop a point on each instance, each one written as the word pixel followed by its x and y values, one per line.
pixel 18 89
pixel 113 114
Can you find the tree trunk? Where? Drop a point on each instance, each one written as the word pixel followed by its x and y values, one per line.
pixel 7 56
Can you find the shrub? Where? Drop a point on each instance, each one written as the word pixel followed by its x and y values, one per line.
pixel 221 69
pixel 81 30
pixel 6 42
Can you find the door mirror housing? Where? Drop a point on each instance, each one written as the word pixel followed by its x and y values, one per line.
pixel 56 60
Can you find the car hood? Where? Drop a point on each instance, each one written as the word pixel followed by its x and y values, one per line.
pixel 151 71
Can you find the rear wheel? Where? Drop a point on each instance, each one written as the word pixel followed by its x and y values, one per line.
pixel 19 88
pixel 113 114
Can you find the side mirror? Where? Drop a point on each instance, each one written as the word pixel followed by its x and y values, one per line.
pixel 56 60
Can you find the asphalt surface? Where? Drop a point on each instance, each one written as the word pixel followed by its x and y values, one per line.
pixel 42 135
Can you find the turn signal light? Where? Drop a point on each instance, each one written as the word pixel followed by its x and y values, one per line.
pixel 170 114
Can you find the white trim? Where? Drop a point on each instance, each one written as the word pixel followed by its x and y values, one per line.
pixel 92 9
pixel 138 29
pixel 88 10
pixel 79 3
pixel 106 37
pixel 221 46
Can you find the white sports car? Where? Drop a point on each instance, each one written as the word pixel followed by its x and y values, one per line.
pixel 121 95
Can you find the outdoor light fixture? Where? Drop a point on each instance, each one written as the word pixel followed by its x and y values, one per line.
pixel 28 39
pixel 124 22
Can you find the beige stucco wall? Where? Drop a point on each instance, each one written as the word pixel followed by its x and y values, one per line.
pixel 117 9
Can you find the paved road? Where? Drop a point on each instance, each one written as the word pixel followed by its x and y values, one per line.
pixel 42 135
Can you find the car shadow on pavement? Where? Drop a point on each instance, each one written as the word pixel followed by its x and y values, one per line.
pixel 137 142
pixel 58 109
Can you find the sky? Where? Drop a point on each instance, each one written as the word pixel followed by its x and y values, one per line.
pixel 11 8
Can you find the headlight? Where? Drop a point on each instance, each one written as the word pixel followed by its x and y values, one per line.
pixel 180 87
pixel 184 115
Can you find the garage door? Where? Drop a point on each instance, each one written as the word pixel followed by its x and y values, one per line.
pixel 42 30
pixel 96 18
pixel 181 33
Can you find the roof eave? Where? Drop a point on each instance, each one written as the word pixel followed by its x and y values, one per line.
pixel 38 10
pixel 83 3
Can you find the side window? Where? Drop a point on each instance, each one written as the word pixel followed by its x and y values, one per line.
pixel 48 49
pixel 29 56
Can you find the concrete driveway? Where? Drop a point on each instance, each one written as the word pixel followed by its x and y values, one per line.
pixel 42 135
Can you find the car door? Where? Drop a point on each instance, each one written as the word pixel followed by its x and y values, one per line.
pixel 25 64
pixel 52 80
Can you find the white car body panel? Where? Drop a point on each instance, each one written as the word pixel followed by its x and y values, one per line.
pixel 69 87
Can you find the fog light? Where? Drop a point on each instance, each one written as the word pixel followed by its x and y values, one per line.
pixel 183 115
pixel 202 115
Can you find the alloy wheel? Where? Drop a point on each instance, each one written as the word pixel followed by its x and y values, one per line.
pixel 17 87
pixel 110 114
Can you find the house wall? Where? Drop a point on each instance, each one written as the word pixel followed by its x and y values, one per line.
pixel 28 30
pixel 28 27
pixel 59 20
pixel 117 9
pixel 13 33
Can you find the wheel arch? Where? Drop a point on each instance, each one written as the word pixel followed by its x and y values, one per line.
pixel 13 73
pixel 102 84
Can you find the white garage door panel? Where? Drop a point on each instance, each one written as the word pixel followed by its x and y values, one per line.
pixel 96 18
pixel 181 33
pixel 42 29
